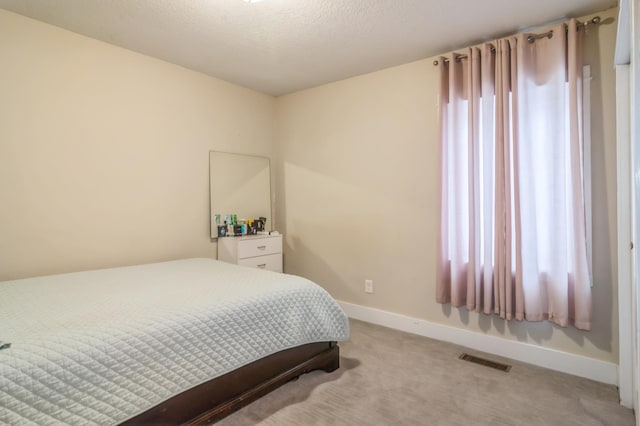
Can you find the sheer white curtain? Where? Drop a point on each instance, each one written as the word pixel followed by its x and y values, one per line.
pixel 512 235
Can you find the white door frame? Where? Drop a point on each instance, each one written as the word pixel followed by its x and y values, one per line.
pixel 628 202
pixel 635 184
pixel 625 265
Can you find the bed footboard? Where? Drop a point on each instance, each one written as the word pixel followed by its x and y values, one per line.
pixel 217 398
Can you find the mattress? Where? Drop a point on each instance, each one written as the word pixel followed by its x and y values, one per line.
pixel 100 347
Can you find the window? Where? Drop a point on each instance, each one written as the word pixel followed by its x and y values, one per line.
pixel 513 219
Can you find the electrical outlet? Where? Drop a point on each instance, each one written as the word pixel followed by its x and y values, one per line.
pixel 368 286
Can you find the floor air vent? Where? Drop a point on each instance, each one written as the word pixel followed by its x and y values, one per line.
pixel 485 362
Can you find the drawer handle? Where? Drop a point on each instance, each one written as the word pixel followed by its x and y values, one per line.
pixel 261 247
pixel 262 265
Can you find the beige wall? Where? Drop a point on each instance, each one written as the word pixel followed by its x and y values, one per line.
pixel 357 187
pixel 104 152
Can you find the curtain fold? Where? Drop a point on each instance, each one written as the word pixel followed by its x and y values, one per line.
pixel 512 237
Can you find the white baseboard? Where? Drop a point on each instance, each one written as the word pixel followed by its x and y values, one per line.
pixel 601 371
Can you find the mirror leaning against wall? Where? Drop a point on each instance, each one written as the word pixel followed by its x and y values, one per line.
pixel 240 190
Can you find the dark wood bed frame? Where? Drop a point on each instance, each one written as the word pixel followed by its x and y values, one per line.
pixel 213 400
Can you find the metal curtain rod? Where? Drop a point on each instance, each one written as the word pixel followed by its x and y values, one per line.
pixel 593 21
pixel 532 38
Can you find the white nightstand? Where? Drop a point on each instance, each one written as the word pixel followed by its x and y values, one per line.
pixel 255 251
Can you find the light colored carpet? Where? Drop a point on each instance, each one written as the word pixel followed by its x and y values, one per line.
pixel 388 377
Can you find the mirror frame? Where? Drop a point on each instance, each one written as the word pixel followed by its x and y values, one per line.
pixel 212 201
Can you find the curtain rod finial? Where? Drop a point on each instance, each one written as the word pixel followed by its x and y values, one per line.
pixel 436 62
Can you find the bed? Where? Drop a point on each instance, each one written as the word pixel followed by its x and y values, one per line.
pixel 187 341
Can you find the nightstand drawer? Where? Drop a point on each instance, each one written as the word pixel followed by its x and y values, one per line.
pixel 259 247
pixel 271 262
pixel 256 251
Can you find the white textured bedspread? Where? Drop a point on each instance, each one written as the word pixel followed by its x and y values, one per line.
pixel 100 347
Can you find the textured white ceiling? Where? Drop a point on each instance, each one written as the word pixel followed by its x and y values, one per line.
pixel 281 46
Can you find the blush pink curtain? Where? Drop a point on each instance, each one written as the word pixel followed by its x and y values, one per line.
pixel 512 237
